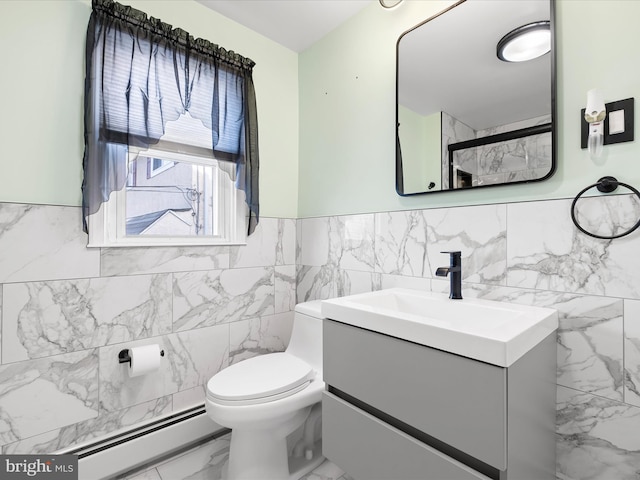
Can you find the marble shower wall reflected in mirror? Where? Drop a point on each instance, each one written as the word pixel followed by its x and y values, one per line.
pixel 466 119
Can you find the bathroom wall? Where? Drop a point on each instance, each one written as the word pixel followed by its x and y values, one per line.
pixel 347 108
pixel 65 310
pixel 529 253
pixel 41 139
pixel 518 242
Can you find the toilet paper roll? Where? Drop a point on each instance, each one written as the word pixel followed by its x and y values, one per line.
pixel 144 360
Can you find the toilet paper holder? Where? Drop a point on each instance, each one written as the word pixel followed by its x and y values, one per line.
pixel 124 357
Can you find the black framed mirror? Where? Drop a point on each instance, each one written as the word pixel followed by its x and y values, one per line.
pixel 466 118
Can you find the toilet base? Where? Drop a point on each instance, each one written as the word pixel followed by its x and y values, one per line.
pixel 300 466
pixel 262 453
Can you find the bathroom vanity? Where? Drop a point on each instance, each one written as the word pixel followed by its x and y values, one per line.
pixel 398 408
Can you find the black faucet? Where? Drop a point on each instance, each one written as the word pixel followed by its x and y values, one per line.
pixel 455 279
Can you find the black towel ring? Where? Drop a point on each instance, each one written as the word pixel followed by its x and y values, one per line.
pixel 604 185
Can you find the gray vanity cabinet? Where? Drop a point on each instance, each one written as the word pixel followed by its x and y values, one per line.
pixel 396 410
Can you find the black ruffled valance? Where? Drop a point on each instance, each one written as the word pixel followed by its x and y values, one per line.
pixel 142 73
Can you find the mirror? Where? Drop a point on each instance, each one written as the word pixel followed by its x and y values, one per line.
pixel 465 118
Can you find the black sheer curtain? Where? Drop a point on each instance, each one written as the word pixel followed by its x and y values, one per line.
pixel 142 73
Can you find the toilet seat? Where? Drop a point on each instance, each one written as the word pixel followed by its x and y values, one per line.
pixel 261 379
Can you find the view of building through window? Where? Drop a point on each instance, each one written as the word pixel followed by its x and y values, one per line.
pixel 165 197
pixel 178 194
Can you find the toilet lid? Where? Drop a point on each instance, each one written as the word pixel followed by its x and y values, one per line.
pixel 259 377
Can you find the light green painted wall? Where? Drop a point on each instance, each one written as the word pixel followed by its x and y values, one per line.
pixel 347 100
pixel 420 140
pixel 41 125
pixel 41 93
pixel 343 117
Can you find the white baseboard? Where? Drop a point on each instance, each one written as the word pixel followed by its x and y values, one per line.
pixel 117 454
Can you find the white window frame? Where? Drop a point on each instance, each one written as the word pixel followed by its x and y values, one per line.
pixel 107 227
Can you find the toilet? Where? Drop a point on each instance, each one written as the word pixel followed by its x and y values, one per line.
pixel 267 398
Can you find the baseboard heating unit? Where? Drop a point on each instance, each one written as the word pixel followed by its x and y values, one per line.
pixel 126 450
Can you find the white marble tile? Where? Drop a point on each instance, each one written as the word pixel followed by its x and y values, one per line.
pixel 299 223
pixel 198 355
pixel 325 471
pixel 401 281
pixel 313 241
pixel 516 158
pixel 41 395
pixel 479 232
pixel 205 462
pixel 39 242
pixel 190 359
pixel 141 260
pixel 107 423
pixel 208 461
pixel 260 250
pixel 590 345
pixel 342 242
pixel 257 336
pixel 355 281
pixel 1 294
pixel 352 242
pixel 189 398
pixel 315 283
pixel 286 246
pixel 597 438
pixel 632 352
pixel 547 252
pixel 49 318
pixel 285 288
pixel 590 348
pixel 401 243
pixel 220 296
pixel 321 283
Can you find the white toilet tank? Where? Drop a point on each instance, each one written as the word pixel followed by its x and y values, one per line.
pixel 306 337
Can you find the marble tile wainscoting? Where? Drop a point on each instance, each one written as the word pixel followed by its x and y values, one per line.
pixel 529 253
pixel 67 311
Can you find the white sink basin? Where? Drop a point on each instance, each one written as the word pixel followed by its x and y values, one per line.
pixel 493 332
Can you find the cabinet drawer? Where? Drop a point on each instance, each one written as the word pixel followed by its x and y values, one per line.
pixel 459 401
pixel 368 449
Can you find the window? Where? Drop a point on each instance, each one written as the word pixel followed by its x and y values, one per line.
pixel 171 153
pixel 175 194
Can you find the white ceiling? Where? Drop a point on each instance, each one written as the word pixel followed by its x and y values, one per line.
pixel 455 56
pixel 295 24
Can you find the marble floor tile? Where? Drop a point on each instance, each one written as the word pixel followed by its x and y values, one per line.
pixel 325 471
pixel 207 462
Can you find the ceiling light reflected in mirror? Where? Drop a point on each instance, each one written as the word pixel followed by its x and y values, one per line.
pixel 525 43
pixel 390 3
